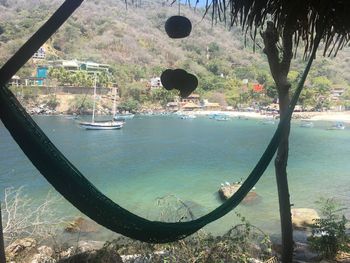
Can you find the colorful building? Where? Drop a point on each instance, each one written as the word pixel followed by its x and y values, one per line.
pixel 41 74
pixel 75 65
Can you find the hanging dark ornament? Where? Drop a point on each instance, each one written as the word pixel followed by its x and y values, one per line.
pixel 190 85
pixel 179 79
pixel 178 27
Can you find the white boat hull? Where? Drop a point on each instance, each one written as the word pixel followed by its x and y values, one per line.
pixel 109 125
pixel 307 125
pixel 122 117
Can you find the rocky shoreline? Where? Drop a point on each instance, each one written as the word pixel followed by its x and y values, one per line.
pixel 42 106
pixel 125 250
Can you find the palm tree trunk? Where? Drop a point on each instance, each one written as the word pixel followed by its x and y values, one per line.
pixel 282 185
pixel 279 68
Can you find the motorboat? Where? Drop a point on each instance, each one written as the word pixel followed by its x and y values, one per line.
pixel 307 124
pixel 219 117
pixel 187 116
pixel 123 117
pixel 268 121
pixel 337 126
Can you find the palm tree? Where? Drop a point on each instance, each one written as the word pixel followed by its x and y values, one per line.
pixel 283 25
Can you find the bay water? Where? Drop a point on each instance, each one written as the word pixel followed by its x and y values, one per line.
pixel 152 157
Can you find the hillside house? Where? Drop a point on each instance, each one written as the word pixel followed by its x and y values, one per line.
pixel 190 103
pixel 92 67
pixel 34 81
pixel 190 106
pixel 40 54
pixel 41 74
pixel 206 105
pixel 69 65
pixel 155 83
pixel 336 92
pixel 75 65
pixel 15 81
pixel 172 106
pixel 194 98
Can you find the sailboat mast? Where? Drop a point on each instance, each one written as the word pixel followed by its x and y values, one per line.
pixel 94 103
pixel 114 102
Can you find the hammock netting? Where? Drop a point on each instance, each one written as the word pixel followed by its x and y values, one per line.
pixel 70 182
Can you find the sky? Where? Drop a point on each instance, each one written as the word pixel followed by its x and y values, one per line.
pixel 193 2
pixel 202 2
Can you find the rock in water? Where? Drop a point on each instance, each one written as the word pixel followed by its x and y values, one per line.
pixel 81 225
pixel 226 191
pixel 303 217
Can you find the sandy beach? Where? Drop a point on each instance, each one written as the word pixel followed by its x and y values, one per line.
pixel 330 116
pixel 343 116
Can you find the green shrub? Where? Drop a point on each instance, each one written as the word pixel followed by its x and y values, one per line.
pixel 129 105
pixel 240 244
pixel 52 101
pixel 329 235
pixel 80 104
pixel 29 94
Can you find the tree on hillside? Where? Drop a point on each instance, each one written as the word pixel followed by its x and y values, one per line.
pixel 129 105
pixel 163 96
pixel 322 89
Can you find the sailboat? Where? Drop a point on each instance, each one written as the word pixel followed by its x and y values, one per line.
pixel 102 125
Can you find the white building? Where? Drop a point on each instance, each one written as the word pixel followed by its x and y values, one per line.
pixel 155 83
pixel 40 54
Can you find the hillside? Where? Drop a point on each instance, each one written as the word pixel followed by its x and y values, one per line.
pixel 106 31
pixel 132 40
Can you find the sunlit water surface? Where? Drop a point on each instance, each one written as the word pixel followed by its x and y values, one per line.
pixel 155 156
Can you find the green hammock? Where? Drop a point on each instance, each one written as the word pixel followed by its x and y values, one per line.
pixel 69 182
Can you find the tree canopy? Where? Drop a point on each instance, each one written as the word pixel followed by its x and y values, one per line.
pixel 305 18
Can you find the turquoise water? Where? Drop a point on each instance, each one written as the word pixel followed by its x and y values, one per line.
pixel 155 156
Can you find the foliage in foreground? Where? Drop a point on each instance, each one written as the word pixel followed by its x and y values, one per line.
pixel 22 217
pixel 329 232
pixel 240 244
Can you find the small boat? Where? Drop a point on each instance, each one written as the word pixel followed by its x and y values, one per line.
pixel 268 121
pixel 222 118
pixel 337 126
pixel 241 117
pixel 219 117
pixel 188 116
pixel 71 117
pixel 102 125
pixel 123 117
pixel 307 124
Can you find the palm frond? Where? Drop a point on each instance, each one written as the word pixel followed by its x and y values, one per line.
pixel 305 19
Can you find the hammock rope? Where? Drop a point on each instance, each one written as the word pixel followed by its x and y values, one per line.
pixel 81 193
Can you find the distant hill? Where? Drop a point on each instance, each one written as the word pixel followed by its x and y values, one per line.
pixel 133 41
